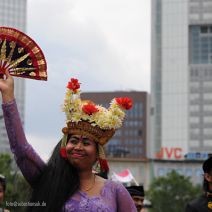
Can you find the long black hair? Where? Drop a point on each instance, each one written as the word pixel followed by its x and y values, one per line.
pixel 59 181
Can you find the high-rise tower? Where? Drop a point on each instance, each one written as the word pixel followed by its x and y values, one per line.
pixel 13 14
pixel 181 81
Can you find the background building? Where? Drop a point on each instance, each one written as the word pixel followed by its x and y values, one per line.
pixel 128 148
pixel 181 85
pixel 13 14
pixel 181 81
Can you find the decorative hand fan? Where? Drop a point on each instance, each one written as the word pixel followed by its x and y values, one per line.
pixel 20 55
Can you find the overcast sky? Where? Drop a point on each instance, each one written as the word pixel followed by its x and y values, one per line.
pixel 103 43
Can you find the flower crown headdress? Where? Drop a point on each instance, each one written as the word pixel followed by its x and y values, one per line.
pixel 84 117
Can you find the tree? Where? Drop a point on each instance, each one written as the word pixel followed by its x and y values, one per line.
pixel 171 193
pixel 17 189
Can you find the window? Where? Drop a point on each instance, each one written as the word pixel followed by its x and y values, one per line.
pixel 194 120
pixel 200 50
pixel 194 108
pixel 207 96
pixel 161 172
pixel 198 172
pixel 179 171
pixel 188 172
pixel 208 143
pixel 204 29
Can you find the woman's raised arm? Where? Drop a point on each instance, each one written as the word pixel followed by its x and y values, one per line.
pixel 27 159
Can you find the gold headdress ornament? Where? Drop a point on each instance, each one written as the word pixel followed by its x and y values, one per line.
pixel 83 117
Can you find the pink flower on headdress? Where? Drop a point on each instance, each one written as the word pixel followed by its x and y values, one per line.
pixel 73 84
pixel 124 102
pixel 89 108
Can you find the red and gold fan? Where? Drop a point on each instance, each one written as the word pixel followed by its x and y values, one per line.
pixel 20 55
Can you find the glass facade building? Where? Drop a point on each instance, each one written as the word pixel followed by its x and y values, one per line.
pixel 181 80
pixel 13 14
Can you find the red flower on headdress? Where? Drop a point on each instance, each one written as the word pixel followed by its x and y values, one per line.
pixel 89 108
pixel 63 152
pixel 124 102
pixel 73 84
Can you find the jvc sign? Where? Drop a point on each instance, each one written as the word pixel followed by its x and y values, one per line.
pixel 170 153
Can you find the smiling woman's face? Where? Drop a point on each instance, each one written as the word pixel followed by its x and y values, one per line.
pixel 81 152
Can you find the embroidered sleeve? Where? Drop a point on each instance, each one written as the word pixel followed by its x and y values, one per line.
pixel 124 200
pixel 27 159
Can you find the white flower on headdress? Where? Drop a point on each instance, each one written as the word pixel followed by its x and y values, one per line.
pixel 77 110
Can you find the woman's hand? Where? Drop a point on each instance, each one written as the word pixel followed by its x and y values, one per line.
pixel 7 87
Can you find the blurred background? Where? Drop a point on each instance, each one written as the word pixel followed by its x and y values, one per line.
pixel 157 52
